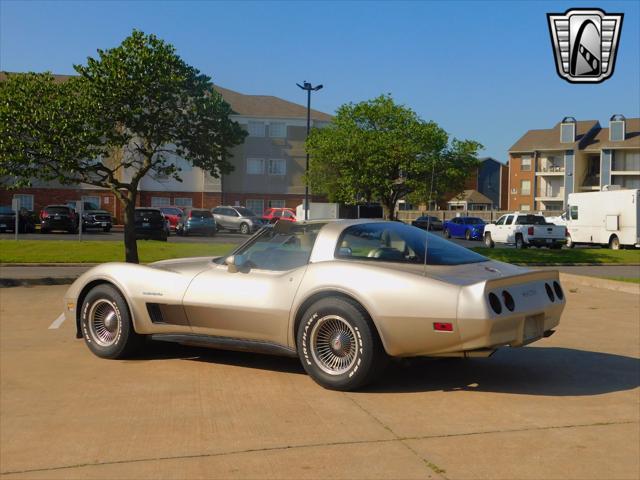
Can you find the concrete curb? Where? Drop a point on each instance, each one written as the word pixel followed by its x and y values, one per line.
pixel 32 282
pixel 596 282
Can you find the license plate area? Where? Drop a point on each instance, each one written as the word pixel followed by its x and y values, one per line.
pixel 533 328
pixel 146 224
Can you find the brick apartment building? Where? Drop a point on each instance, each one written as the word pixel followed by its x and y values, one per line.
pixel 268 167
pixel 573 156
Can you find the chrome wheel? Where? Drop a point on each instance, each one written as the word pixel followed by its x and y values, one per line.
pixel 104 322
pixel 334 345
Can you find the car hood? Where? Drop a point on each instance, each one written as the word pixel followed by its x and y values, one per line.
pixel 184 265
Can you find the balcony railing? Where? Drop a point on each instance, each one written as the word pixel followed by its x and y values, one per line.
pixel 551 168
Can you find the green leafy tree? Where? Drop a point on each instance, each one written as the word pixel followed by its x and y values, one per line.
pixel 377 150
pixel 129 112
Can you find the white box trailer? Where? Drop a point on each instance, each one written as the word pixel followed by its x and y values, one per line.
pixel 609 218
pixel 319 211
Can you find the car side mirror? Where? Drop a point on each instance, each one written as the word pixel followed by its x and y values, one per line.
pixel 235 263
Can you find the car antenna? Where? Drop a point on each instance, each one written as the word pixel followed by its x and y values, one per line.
pixel 426 237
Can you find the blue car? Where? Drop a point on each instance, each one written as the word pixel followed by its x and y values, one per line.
pixel 469 228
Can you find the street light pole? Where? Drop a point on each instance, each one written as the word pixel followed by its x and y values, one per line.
pixel 309 88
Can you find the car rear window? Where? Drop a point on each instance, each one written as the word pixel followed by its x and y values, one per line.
pixel 531 220
pixel 475 221
pixel 148 213
pixel 400 243
pixel 200 214
pixel 57 209
pixel 5 210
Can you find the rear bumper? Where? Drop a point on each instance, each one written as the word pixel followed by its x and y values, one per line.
pixel 544 242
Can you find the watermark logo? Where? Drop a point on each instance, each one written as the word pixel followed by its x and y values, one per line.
pixel 585 42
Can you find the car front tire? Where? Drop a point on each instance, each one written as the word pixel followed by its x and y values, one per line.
pixel 106 324
pixel 488 241
pixel 467 235
pixel 339 346
pixel 244 229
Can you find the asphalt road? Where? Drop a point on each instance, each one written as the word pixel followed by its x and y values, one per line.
pixel 220 237
pixel 565 407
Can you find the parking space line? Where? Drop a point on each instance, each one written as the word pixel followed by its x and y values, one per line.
pixel 57 322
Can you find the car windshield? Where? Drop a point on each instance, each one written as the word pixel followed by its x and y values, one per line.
pixel 280 248
pixel 245 212
pixel 171 211
pixel 91 206
pixel 397 242
pixel 531 220
pixel 474 221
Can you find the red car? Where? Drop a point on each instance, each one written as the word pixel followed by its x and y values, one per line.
pixel 272 215
pixel 173 215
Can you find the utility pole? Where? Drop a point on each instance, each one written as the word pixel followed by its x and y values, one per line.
pixel 309 88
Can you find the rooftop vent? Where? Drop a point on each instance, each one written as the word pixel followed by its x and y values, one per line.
pixel 617 128
pixel 568 130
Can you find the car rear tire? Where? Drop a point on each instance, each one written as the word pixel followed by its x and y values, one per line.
pixel 488 242
pixel 244 229
pixel 614 243
pixel 467 235
pixel 570 243
pixel 339 346
pixel 520 242
pixel 106 324
pixel 447 233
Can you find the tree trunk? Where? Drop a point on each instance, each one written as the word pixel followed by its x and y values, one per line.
pixel 130 244
pixel 388 209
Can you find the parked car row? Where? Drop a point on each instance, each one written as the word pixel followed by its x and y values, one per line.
pixel 26 220
pixel 519 229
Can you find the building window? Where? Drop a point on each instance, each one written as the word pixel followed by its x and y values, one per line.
pixel 568 130
pixel 626 161
pixel 255 166
pixel 626 181
pixel 160 201
pixel 525 207
pixel 256 129
pixel 525 187
pixel 277 204
pixel 277 166
pixel 255 205
pixel 183 202
pixel 525 164
pixel 24 201
pixel 278 129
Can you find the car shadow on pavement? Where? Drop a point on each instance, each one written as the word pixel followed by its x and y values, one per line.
pixel 545 371
pixel 165 350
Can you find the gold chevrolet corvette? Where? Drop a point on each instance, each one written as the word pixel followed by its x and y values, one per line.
pixel 343 296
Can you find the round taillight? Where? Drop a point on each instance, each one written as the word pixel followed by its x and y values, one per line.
pixel 549 290
pixel 558 290
pixel 508 300
pixel 494 301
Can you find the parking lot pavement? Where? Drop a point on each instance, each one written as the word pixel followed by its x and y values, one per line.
pixel 566 407
pixel 220 237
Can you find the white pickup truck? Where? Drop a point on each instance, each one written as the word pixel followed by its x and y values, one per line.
pixel 524 230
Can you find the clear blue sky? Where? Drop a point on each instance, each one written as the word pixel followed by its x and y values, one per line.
pixel 482 70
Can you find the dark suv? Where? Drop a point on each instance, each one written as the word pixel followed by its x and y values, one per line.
pixel 26 220
pixel 94 217
pixel 150 224
pixel 58 217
